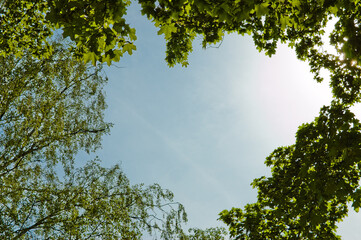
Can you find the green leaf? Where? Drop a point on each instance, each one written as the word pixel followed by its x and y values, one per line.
pixel 129 48
pixel 333 9
pixel 262 9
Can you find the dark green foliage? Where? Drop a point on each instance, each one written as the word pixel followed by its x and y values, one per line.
pixel 300 24
pixel 312 182
pixel 97 29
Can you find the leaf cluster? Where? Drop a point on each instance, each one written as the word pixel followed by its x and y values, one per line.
pixel 89 203
pixel 312 183
pixel 97 29
pixel 50 108
pixel 299 23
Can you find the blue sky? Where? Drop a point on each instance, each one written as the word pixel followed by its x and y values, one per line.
pixel 204 131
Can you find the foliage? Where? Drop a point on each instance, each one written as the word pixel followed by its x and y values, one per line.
pixel 299 23
pixel 97 28
pixel 312 183
pixel 91 202
pixel 50 109
pixel 99 32
pixel 313 180
pixel 217 233
pixel 23 26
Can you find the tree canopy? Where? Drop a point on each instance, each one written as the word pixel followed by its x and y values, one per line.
pixel 312 181
pixel 300 24
pixel 97 29
pixel 50 110
pixel 100 33
pixel 90 202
